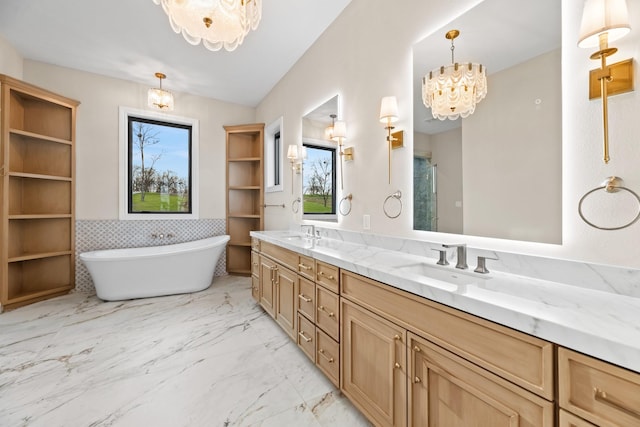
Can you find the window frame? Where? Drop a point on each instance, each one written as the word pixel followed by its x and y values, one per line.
pixel 274 163
pixel 125 114
pixel 329 146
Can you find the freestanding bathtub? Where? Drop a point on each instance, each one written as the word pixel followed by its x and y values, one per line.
pixel 120 274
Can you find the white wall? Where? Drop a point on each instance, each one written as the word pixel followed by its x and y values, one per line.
pixel 366 54
pixel 97 135
pixel 10 60
pixel 512 155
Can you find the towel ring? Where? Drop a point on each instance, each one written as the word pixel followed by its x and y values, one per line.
pixel 295 206
pixel 347 199
pixel 397 196
pixel 613 184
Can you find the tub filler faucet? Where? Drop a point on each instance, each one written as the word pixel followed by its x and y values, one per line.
pixel 461 255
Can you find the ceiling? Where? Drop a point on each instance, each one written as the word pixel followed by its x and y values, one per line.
pixel 132 39
pixel 497 34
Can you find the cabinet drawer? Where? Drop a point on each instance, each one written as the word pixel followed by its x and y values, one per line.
pixel 515 356
pixel 569 420
pixel 307 266
pixel 328 356
pixel 306 337
pixel 597 391
pixel 328 312
pixel 255 263
pixel 284 256
pixel 306 299
pixel 328 276
pixel 255 244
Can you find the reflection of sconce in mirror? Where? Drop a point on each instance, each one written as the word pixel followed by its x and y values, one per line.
pixel 604 21
pixel 389 115
pixel 294 156
pixel 339 135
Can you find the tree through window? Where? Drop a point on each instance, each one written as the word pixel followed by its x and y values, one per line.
pixel 159 167
pixel 319 180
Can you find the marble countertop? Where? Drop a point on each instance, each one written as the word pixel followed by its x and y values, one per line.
pixel 602 324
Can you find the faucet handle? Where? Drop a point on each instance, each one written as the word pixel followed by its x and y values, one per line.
pixel 482 264
pixel 443 256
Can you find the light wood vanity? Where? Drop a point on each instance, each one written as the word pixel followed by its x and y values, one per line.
pixel 404 360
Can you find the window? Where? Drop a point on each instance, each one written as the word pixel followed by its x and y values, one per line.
pixel 319 181
pixel 158 158
pixel 273 171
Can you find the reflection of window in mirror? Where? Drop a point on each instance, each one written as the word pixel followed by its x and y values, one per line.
pixel 273 157
pixel 319 181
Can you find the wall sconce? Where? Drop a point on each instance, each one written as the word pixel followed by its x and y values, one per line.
pixel 604 21
pixel 389 115
pixel 292 155
pixel 160 98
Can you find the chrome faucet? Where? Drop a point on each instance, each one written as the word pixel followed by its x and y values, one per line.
pixel 311 230
pixel 461 255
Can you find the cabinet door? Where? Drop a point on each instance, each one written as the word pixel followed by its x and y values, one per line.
pixel 267 285
pixel 447 390
pixel 373 365
pixel 286 295
pixel 567 419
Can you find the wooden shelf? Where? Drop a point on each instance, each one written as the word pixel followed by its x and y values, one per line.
pixel 40 137
pixel 37 139
pixel 245 188
pixel 38 256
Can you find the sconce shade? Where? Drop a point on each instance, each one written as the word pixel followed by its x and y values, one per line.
pixel 389 109
pixel 292 153
pixel 339 130
pixel 160 98
pixel 603 16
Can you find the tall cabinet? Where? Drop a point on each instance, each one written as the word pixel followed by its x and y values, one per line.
pixel 245 193
pixel 37 167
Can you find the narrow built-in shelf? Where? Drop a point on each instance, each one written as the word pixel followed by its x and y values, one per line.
pixel 246 244
pixel 238 271
pixel 40 216
pixel 38 256
pixel 245 159
pixel 39 136
pixel 244 216
pixel 39 176
pixel 246 187
pixel 35 295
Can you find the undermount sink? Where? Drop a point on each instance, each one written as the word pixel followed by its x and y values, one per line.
pixel 448 276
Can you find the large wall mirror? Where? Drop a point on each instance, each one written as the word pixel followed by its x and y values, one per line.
pixel 319 171
pixel 498 172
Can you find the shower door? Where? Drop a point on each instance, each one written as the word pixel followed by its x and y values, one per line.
pixel 425 200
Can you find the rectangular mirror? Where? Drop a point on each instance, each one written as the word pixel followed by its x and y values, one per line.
pixel 498 172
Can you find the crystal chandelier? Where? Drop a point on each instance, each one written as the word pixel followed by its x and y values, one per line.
pixel 160 98
pixel 453 91
pixel 217 23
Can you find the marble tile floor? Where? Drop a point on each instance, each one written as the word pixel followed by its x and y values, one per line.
pixel 212 358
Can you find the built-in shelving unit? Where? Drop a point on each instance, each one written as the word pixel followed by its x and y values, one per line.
pixel 245 195
pixel 37 161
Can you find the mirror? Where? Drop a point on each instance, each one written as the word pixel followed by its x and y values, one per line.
pixel 498 172
pixel 319 172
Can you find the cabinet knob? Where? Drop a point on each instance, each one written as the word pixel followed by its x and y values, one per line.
pixel 417 349
pixel 396 337
pixel 397 365
pixel 417 380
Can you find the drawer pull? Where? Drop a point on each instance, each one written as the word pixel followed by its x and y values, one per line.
pixel 304 298
pixel 417 380
pixel 329 313
pixel 304 266
pixel 329 359
pixel 417 349
pixel 397 365
pixel 304 337
pixel 601 396
pixel 396 337
pixel 328 276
